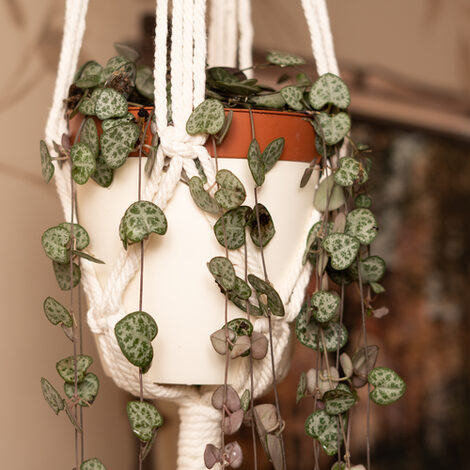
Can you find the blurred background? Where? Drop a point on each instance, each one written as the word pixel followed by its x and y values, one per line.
pixel 408 68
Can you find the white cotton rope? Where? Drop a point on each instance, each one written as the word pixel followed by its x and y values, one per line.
pixel 231 37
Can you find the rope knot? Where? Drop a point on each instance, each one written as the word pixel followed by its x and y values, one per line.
pixel 176 142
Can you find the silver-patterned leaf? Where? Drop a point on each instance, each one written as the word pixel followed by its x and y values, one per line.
pixel 228 395
pixel 329 89
pixel 222 270
pixel 265 291
pixel 284 59
pixel 332 128
pixel 268 101
pixel 233 222
pixel 326 304
pixel 113 65
pixel 80 235
pixel 348 172
pixel 144 81
pixel 207 118
pixel 89 136
pixel 241 289
pixel 389 386
pixel 110 104
pixel 144 418
pixel 241 326
pixel 83 162
pixel 342 248
pixel 265 229
pixel 201 197
pixel 62 275
pixel 272 153
pixel 244 305
pixel 301 387
pixel 140 220
pixel 329 196
pixel 257 167
pixel 361 223
pixel 108 123
pixel 316 234
pixel 293 96
pixel 339 401
pixel 363 201
pixel 88 104
pixel 134 334
pixel 320 425
pixel 47 168
pixel 56 244
pixel 66 367
pixel 92 464
pixel 231 193
pixel 103 175
pixel 245 400
pixel 52 396
pixel 89 75
pixel 87 389
pixel 117 142
pixel 56 313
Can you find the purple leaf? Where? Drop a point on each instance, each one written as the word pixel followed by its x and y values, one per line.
pixel 212 455
pixel 241 346
pixel 233 454
pixel 232 400
pixel 259 345
pixel 233 422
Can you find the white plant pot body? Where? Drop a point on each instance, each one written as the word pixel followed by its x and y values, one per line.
pixel 179 291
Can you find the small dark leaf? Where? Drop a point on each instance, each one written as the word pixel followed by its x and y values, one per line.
pixel 265 228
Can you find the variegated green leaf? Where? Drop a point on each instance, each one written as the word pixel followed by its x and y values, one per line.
pixel 117 142
pixel 56 313
pixel 342 248
pixel 241 326
pixel 234 222
pixel 144 418
pixel 222 270
pixel 89 136
pixel 333 128
pixel 87 389
pixel 66 367
pixel 272 153
pixel 268 298
pixel 265 229
pixel 301 388
pixel 268 101
pixel 361 223
pixel 201 197
pixel 326 304
pixel 82 239
pixel 110 104
pixel 242 305
pixel 88 104
pixel 83 162
pixel 89 75
pixel 62 275
pixel 144 81
pixel 47 168
pixel 134 334
pixel 92 464
pixel 329 89
pixel 284 59
pixel 339 400
pixel 140 220
pixel 363 201
pixel 52 396
pixel 56 244
pixel 245 400
pixel 241 289
pixel 113 65
pixel 329 196
pixel 207 118
pixel 389 386
pixel 348 172
pixel 377 288
pixel 316 234
pixel 293 96
pixel 372 269
pixel 231 193
pixel 108 123
pixel 320 425
pixel 257 167
pixel 103 175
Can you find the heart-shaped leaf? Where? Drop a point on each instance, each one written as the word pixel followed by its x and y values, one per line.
pixel 212 455
pixel 83 162
pixel 113 65
pixel 56 244
pixel 117 142
pixel 140 220
pixel 293 96
pixel 144 418
pixel 88 104
pixel 241 289
pixel 89 136
pixel 89 75
pixel 320 425
pixel 66 367
pixel 232 399
pixel 231 193
pixel 241 347
pixel 87 389
pixel 377 288
pixel 268 101
pixel 233 454
pixel 103 175
pixel 245 400
pixel 92 464
pixel 110 104
pixel 259 346
pixel 363 363
pixel 339 401
pixel 134 334
pixel 268 297
pixel 255 163
pixel 272 153
pixel 343 249
pixel 241 326
pixel 233 422
pixel 108 123
pixel 301 388
pixel 326 303
pixel 80 235
pixel 56 313
pixel 320 382
pixel 62 275
pixel 144 81
pixel 348 172
pixel 222 270
pixel 207 118
pixel 284 59
pixel 201 197
pixel 266 418
pixel 316 234
pixel 234 222
pixel 389 386
pixel 363 201
pixel 329 196
pixel 47 168
pixel 361 223
pixel 265 229
pixel 333 128
pixel 52 396
pixel 219 340
pixel 329 89
pixel 126 51
pixel 321 147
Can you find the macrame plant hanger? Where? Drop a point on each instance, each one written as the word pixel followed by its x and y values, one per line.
pixel 230 44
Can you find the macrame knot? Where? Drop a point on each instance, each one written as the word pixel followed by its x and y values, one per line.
pixel 176 142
